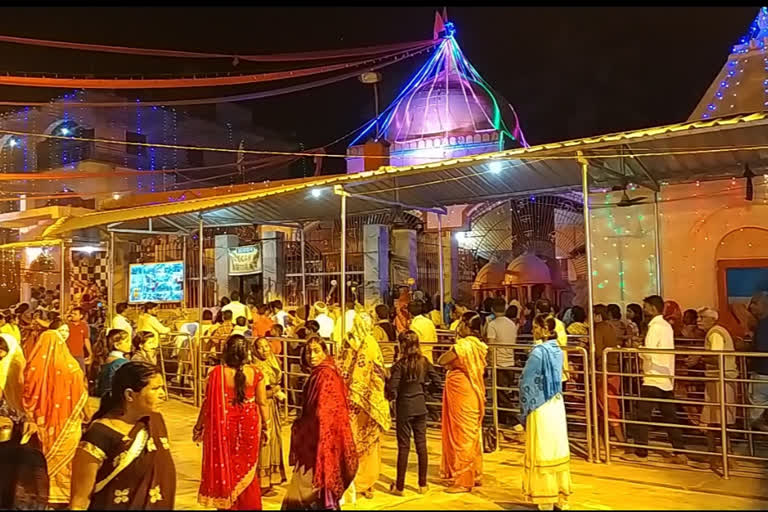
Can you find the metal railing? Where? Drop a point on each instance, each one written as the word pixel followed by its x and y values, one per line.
pixel 176 358
pixel 726 398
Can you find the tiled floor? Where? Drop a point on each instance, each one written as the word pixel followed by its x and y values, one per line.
pixel 596 486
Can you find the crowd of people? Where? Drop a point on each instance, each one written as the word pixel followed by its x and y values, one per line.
pixel 364 372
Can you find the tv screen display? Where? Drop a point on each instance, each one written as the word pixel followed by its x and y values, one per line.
pixel 156 282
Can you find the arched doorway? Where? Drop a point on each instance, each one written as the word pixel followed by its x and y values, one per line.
pixel 742 269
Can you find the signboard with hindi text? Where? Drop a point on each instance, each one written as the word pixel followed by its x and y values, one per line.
pixel 245 260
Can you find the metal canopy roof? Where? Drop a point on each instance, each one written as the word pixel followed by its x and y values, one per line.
pixel 700 150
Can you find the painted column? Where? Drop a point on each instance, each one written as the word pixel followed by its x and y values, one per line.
pixel 272 264
pixel 225 284
pixel 450 248
pixel 375 263
pixel 404 250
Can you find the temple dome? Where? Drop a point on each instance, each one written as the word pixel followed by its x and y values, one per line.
pixel 447 105
pixel 490 276
pixel 527 269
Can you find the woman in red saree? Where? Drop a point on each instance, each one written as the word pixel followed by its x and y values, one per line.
pixel 54 397
pixel 322 446
pixel 231 428
pixel 464 407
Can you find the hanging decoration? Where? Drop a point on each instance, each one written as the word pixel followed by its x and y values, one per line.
pixel 177 83
pixel 226 99
pixel 750 191
pixel 277 57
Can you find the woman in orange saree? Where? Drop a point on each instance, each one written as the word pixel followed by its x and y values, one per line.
pixel 55 396
pixel 232 423
pixel 464 407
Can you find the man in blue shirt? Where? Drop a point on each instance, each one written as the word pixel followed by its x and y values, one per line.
pixel 758 306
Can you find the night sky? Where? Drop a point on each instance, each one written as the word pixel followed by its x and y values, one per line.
pixel 569 72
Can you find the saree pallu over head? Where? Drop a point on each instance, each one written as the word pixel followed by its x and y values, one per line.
pixel 541 378
pixel 270 368
pixel 55 395
pixel 321 439
pixel 472 354
pixel 362 367
pixel 12 374
pixel 231 442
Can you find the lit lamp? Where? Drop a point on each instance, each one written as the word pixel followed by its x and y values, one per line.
pixel 373 78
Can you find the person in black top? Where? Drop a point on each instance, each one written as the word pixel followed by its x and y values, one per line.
pixel 410 376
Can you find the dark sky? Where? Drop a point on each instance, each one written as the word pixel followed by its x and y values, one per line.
pixel 569 72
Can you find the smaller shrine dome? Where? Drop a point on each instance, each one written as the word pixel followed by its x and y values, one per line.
pixel 527 269
pixel 490 276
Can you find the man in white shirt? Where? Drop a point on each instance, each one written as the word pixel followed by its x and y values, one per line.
pixel 503 331
pixel 325 321
pixel 279 315
pixel 658 383
pixel 149 322
pixel 120 322
pixel 237 308
pixel 423 327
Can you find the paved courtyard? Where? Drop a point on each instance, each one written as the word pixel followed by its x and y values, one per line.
pixel 596 486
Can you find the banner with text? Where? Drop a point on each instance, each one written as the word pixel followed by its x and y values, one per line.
pixel 245 260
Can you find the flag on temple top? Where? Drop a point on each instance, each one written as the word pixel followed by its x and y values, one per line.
pixel 439 26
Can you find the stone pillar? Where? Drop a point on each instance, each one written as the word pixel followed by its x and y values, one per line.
pixel 272 264
pixel 451 266
pixel 224 284
pixel 404 250
pixel 375 263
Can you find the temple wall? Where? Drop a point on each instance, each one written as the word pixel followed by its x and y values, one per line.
pixel 702 224
pixel 699 225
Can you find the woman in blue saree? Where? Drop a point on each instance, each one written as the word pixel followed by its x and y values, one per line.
pixel 546 470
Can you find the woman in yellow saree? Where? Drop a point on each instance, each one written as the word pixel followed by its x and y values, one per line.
pixel 54 397
pixel 546 468
pixel 362 367
pixel 464 407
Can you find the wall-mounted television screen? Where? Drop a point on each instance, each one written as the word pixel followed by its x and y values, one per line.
pixel 156 282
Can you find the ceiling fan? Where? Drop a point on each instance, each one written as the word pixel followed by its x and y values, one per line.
pixel 625 199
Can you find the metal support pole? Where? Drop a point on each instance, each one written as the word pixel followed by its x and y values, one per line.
pixel 495 393
pixel 303 267
pixel 200 288
pixel 343 283
pixel 442 267
pixel 63 290
pixel 111 278
pixel 588 246
pixel 657 227
pixel 289 393
pixel 723 416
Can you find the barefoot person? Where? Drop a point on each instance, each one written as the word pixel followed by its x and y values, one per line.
pixel 546 465
pixel 362 366
pixel 233 422
pixel 322 445
pixel 464 407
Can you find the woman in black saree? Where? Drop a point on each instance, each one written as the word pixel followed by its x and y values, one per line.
pixel 123 461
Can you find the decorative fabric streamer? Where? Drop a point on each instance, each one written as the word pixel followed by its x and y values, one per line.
pixel 177 83
pixel 277 57
pixel 218 99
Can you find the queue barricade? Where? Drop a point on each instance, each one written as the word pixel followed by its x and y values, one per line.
pixel 727 394
pixel 177 361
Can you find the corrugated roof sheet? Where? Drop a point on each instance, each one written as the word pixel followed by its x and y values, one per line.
pixel 701 150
